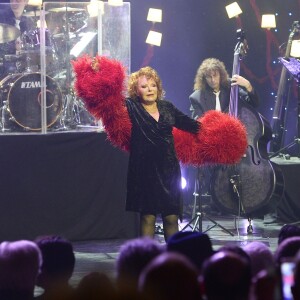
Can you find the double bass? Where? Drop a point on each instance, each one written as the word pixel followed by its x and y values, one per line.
pixel 254 182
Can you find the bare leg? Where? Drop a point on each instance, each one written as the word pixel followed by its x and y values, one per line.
pixel 147 225
pixel 170 224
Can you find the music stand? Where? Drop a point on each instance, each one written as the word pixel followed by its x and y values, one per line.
pixel 196 222
pixel 293 66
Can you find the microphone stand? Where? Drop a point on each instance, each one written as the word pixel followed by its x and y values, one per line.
pixel 196 222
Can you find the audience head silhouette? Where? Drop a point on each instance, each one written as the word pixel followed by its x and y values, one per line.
pixel 261 257
pixel 287 249
pixel 226 276
pixel 57 268
pixel 194 245
pixel 170 276
pixel 20 263
pixel 287 231
pixel 94 286
pixel 134 255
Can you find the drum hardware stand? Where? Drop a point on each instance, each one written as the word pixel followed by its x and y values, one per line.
pixel 76 110
pixel 4 109
pixel 70 114
pixel 64 115
pixel 196 222
pixel 76 106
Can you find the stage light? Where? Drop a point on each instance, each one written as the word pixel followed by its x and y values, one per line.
pixel 154 15
pixel 268 21
pixel 233 10
pixel 94 7
pixel 115 2
pixel 35 2
pixel 183 183
pixel 38 24
pixel 295 48
pixel 154 38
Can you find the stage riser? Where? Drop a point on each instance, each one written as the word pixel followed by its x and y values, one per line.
pixel 71 184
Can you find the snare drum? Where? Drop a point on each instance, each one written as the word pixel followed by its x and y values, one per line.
pixel 23 95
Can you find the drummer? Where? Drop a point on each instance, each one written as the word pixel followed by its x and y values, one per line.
pixel 12 16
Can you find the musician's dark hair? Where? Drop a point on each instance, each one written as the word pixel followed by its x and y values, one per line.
pixel 207 66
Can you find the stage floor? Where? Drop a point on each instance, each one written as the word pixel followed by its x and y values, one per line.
pixel 101 255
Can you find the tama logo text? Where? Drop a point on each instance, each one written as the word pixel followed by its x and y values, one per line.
pixel 30 84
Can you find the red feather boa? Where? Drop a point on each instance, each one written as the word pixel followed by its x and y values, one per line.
pixel 103 94
pixel 221 140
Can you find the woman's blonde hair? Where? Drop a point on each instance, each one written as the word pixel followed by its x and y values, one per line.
pixel 207 66
pixel 150 74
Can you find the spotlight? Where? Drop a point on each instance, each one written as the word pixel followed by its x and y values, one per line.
pixel 295 48
pixel 38 24
pixel 154 15
pixel 268 21
pixel 115 2
pixel 233 10
pixel 94 7
pixel 35 2
pixel 154 38
pixel 183 183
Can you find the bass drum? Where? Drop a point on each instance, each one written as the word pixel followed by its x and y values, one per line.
pixel 23 95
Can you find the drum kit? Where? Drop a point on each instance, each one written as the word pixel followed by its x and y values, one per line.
pixel 20 86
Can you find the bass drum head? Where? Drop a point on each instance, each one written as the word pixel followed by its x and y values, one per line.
pixel 24 100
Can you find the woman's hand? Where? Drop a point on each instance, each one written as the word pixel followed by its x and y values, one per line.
pixel 95 64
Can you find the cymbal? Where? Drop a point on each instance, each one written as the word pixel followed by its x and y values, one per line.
pixel 8 33
pixel 66 9
pixel 33 13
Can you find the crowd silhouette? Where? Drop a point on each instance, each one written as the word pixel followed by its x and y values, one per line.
pixel 186 267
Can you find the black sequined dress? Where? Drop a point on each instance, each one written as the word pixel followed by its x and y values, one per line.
pixel 154 177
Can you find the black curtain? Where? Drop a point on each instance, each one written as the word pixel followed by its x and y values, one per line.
pixel 72 184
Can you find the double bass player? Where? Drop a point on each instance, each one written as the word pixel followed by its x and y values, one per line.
pixel 212 92
pixel 212 88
